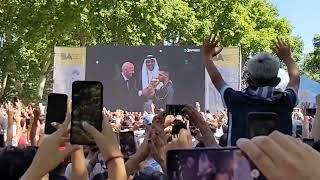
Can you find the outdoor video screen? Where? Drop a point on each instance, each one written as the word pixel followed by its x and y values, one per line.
pixel 138 76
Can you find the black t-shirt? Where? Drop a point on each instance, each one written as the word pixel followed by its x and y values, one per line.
pixel 240 104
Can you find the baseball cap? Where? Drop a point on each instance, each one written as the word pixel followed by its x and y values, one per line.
pixel 263 66
pixel 147 119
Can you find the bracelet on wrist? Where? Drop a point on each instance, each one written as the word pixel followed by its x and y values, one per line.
pixel 113 158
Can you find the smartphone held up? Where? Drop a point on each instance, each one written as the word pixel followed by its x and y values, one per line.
pixel 175 109
pixel 56 111
pixel 216 163
pixel 127 143
pixel 87 97
pixel 262 123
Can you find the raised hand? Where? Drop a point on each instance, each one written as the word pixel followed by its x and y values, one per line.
pixel 109 147
pixel 18 104
pixel 36 113
pixel 194 115
pixel 210 47
pixel 197 118
pixel 50 148
pixel 209 50
pixel 182 141
pixel 10 109
pixel 106 140
pixel 282 49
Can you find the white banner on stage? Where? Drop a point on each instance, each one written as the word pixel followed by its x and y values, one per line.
pixel 69 66
pixel 228 63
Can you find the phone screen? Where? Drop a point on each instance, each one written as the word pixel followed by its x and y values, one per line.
pixel 298 131
pixel 174 109
pixel 204 163
pixel 311 111
pixel 310 142
pixel 86 106
pixel 56 111
pixel 262 124
pixel 127 143
pixel 2 143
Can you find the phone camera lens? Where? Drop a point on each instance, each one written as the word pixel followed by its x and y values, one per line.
pixel 255 173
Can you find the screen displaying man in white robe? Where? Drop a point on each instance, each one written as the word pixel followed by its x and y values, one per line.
pixel 150 71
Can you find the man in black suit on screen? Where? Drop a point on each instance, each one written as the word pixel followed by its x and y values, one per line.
pixel 125 91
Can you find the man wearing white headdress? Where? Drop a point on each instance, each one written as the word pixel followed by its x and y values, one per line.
pixel 150 70
pixel 149 74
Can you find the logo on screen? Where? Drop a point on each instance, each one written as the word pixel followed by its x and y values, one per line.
pixel 66 56
pixel 191 50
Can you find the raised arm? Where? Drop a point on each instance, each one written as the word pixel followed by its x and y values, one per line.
pixel 143 152
pixel 109 147
pixel 10 112
pixel 316 124
pixel 197 119
pixel 209 51
pixel 34 126
pixel 79 169
pixel 283 50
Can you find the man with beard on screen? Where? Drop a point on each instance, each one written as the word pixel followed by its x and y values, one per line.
pixel 150 71
pixel 164 95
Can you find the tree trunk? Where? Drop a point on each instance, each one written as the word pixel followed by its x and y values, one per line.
pixel 4 84
pixel 47 63
pixel 42 83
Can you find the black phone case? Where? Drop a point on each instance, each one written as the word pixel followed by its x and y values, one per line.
pixel 123 135
pixel 79 84
pixel 255 117
pixel 48 129
pixel 172 109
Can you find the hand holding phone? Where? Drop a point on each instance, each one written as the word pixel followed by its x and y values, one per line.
pixel 175 109
pixel 106 140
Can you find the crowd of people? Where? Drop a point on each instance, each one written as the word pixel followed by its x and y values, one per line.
pixel 28 153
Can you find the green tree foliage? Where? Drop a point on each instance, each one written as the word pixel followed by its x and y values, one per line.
pixel 311 64
pixel 34 27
